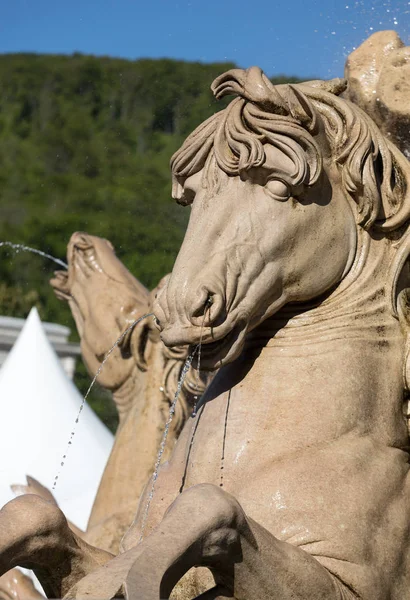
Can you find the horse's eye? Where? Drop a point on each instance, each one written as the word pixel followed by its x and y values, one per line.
pixel 277 189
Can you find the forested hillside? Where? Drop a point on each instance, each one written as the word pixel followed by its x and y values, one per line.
pixel 85 144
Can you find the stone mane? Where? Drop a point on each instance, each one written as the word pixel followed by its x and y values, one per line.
pixel 294 118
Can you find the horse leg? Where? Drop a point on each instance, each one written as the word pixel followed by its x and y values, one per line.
pixel 35 534
pixel 205 526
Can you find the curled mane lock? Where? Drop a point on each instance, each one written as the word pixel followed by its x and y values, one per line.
pixel 292 118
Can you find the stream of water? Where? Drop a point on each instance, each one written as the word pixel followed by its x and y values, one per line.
pixel 22 248
pixel 84 400
pixel 198 374
pixel 184 371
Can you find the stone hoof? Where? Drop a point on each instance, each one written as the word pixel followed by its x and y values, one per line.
pixel 30 530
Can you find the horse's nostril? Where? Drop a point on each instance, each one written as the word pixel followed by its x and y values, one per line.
pixel 207 309
pixel 200 304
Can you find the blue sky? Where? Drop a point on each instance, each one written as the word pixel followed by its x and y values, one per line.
pixel 298 37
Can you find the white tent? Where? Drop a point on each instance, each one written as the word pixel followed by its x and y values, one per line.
pixel 38 409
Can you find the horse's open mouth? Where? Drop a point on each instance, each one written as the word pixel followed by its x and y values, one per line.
pixel 215 354
pixel 60 285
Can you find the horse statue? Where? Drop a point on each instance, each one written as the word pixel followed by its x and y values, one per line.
pixel 142 374
pixel 292 481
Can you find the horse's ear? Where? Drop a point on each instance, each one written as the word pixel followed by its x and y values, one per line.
pixel 396 192
pixel 333 86
pixel 138 345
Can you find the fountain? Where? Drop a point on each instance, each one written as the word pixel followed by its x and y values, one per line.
pixel 292 478
pixel 108 303
pixel 143 375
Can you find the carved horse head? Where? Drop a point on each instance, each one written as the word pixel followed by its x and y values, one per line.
pixel 281 184
pixel 105 299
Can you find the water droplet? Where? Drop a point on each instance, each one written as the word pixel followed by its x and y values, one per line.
pixel 184 372
pixel 124 333
pixel 19 247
